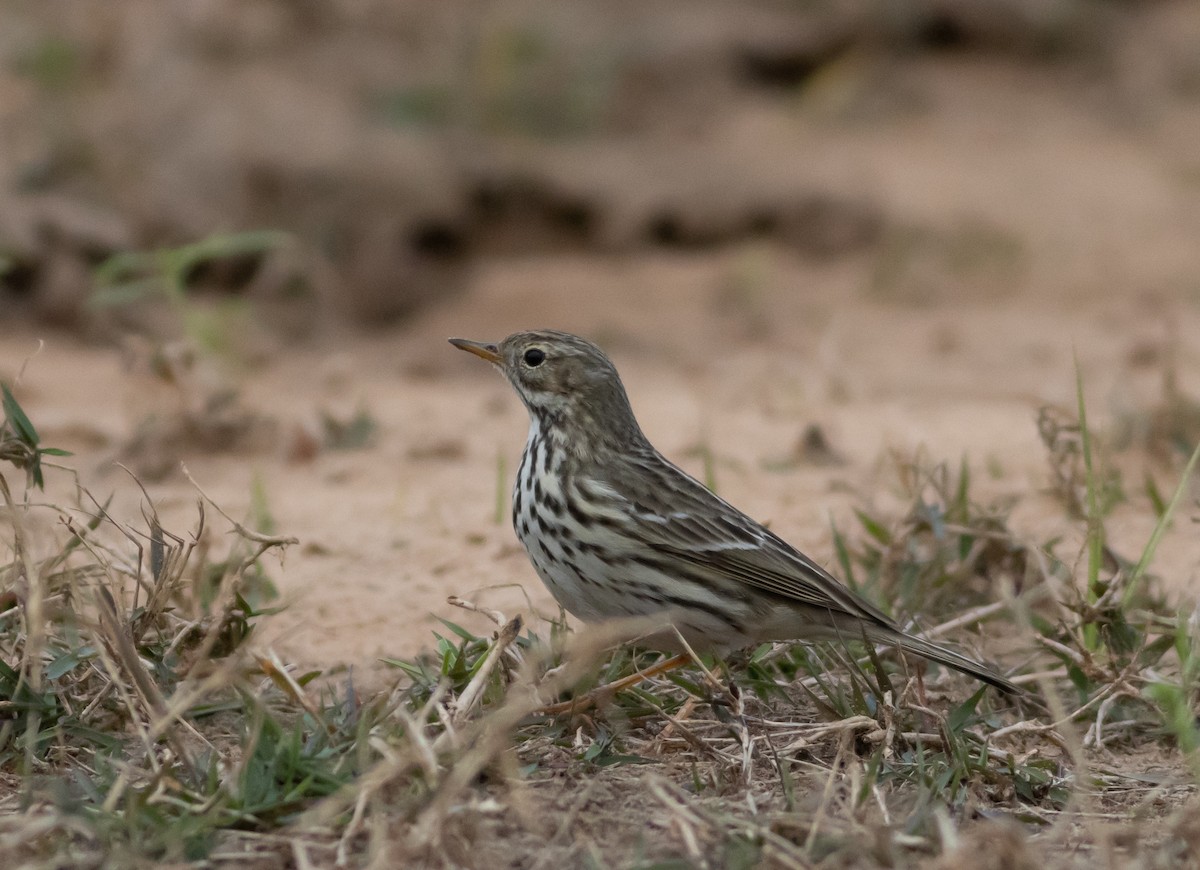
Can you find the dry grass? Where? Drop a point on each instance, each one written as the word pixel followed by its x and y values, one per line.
pixel 140 723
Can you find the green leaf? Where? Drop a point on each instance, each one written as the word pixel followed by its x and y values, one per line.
pixel 121 266
pixel 874 528
pixel 960 508
pixel 414 670
pixel 1149 655
pixel 1164 520
pixel 114 295
pixel 843 556
pixel 20 423
pixel 1155 495
pixel 232 245
pixel 306 678
pixel 963 713
pixel 8 676
pixel 457 629
pixel 68 661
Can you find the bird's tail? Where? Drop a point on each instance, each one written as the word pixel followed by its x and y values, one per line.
pixel 932 651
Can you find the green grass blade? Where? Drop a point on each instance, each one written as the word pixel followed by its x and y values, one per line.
pixel 1095 530
pixel 16 416
pixel 1164 519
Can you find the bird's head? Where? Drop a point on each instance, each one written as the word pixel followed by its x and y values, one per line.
pixel 568 384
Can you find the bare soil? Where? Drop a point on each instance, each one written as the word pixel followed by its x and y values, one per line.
pixel 389 531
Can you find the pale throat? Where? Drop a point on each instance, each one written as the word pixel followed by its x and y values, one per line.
pixel 546 414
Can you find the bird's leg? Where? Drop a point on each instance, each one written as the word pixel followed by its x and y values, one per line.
pixel 603 693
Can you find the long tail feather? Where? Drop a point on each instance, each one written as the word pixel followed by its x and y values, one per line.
pixel 932 651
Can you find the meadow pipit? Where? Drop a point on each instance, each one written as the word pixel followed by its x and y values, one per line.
pixel 615 530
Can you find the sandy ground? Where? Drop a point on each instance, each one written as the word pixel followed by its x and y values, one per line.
pixel 737 349
pixel 388 532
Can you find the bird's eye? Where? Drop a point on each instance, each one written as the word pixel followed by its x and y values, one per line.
pixel 535 356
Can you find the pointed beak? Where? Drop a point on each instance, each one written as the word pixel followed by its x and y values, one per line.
pixel 489 352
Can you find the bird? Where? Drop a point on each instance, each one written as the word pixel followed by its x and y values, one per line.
pixel 615 530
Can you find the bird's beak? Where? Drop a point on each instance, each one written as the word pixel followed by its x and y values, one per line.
pixel 489 352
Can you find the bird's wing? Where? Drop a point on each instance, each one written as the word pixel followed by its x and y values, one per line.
pixel 678 516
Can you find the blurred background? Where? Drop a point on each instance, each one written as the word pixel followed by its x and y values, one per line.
pixel 949 148
pixel 900 221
